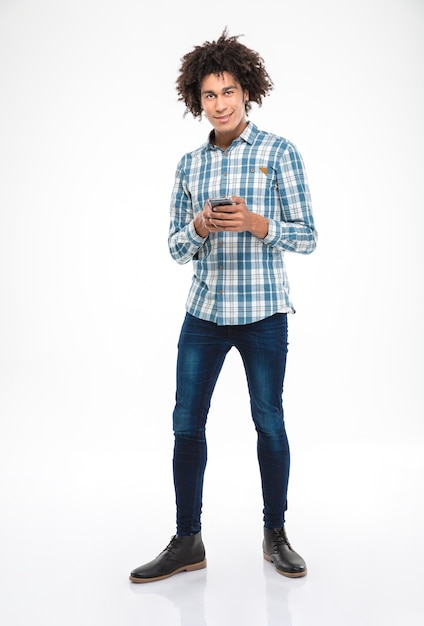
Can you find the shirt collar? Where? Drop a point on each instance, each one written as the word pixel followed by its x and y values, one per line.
pixel 248 135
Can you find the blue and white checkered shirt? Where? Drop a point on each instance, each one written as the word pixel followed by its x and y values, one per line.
pixel 238 278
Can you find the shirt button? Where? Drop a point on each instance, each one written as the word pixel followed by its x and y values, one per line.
pixel 220 291
pixel 221 267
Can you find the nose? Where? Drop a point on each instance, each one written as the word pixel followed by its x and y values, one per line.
pixel 220 104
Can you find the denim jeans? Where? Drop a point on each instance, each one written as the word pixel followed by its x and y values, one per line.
pixel 202 349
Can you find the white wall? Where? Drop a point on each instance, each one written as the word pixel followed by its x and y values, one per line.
pixel 91 303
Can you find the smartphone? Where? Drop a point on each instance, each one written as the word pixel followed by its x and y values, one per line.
pixel 217 202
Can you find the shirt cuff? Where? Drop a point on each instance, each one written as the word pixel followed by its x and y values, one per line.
pixel 193 236
pixel 274 233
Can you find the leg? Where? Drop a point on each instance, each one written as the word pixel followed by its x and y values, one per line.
pixel 201 352
pixel 263 347
pixel 264 353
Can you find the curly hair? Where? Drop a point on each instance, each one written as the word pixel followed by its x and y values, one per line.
pixel 215 57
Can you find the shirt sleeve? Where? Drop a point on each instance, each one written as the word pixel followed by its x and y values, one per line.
pixel 183 240
pixel 295 231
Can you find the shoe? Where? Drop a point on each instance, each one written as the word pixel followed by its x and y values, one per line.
pixel 182 554
pixel 277 550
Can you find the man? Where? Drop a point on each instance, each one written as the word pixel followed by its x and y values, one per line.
pixel 239 295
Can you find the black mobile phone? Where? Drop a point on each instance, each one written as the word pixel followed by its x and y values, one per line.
pixel 217 202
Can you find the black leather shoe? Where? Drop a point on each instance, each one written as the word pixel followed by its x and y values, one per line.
pixel 277 550
pixel 182 554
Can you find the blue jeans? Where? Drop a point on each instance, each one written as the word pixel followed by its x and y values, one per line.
pixel 202 349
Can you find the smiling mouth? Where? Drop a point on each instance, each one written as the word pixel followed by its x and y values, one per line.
pixel 223 118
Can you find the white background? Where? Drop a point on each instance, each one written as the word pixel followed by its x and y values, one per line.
pixel 91 305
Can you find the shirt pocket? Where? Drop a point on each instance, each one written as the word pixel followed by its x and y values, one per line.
pixel 261 191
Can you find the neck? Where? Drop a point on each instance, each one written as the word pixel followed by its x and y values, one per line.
pixel 224 140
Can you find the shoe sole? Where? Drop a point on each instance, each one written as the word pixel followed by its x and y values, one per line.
pixel 186 568
pixel 288 574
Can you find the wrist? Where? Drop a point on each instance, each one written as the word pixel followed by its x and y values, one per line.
pixel 200 226
pixel 259 226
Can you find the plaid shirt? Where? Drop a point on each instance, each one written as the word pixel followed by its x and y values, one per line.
pixel 238 278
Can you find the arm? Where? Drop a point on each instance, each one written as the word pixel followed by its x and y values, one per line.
pixel 187 232
pixel 296 230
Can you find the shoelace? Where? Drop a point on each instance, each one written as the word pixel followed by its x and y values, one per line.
pixel 172 544
pixel 280 537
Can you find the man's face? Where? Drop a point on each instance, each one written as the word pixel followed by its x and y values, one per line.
pixel 223 102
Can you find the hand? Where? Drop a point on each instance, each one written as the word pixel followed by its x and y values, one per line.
pixel 235 218
pixel 206 222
